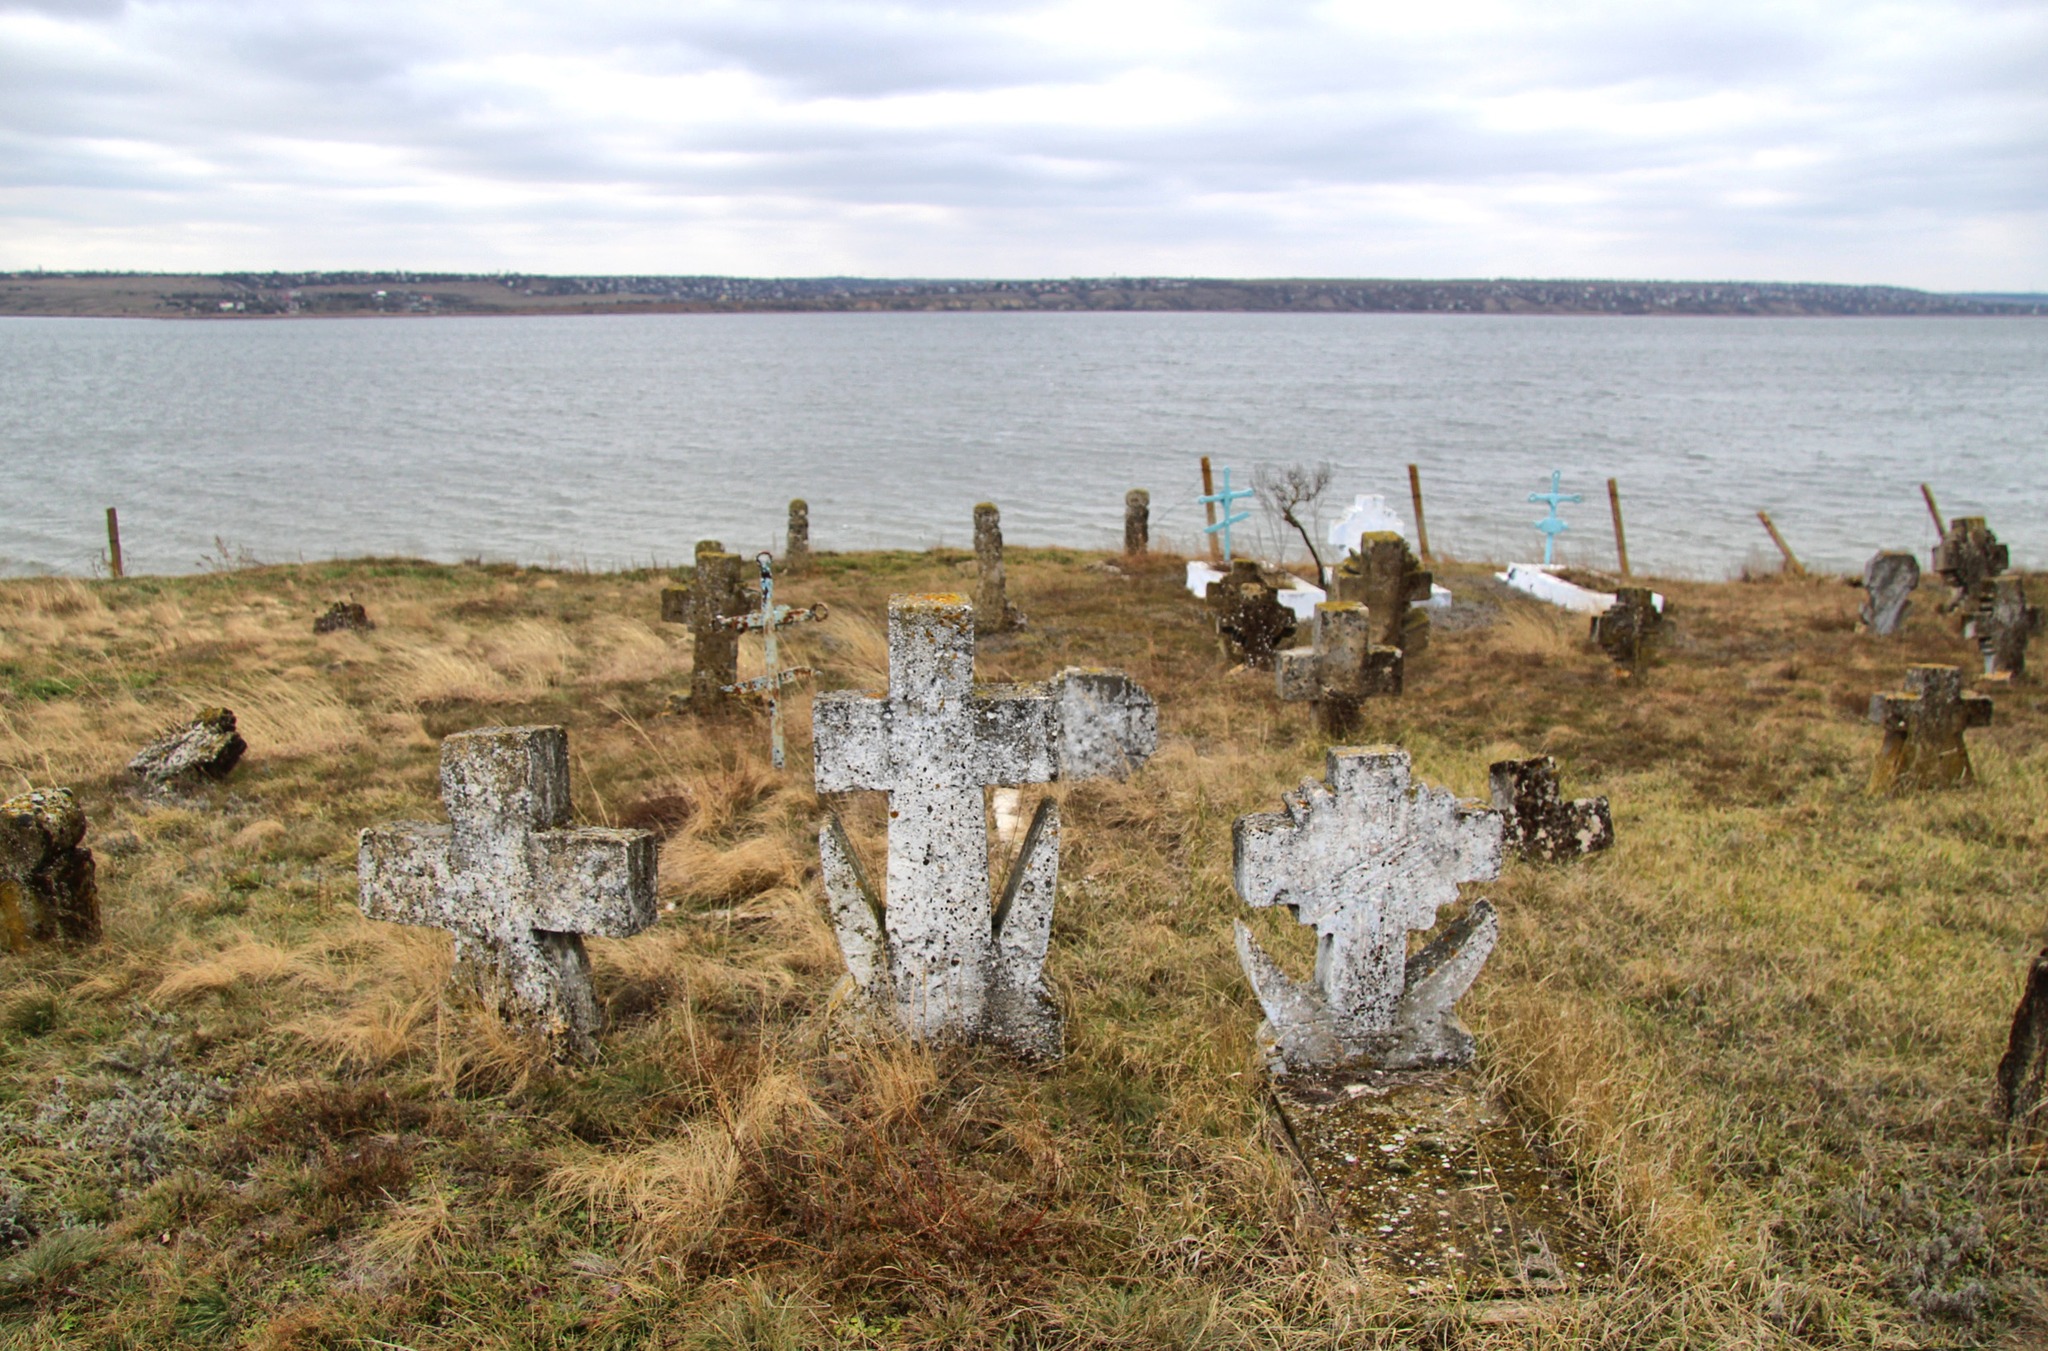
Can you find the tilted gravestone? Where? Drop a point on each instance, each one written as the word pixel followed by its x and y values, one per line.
pixel 47 887
pixel 1249 618
pixel 930 951
pixel 1364 860
pixel 2002 623
pixel 516 884
pixel 1968 556
pixel 1341 668
pixel 1629 630
pixel 207 747
pixel 1537 821
pixel 2023 1071
pixel 992 609
pixel 1137 521
pixel 796 553
pixel 711 594
pixel 1384 575
pixel 1889 579
pixel 1923 730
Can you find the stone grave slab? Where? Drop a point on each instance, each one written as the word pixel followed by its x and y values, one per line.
pixel 207 747
pixel 48 889
pixel 711 594
pixel 1340 669
pixel 1538 822
pixel 1923 730
pixel 1889 579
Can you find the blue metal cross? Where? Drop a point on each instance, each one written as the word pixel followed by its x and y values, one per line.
pixel 768 619
pixel 1553 525
pixel 1230 518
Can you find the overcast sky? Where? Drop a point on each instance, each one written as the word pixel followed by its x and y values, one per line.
pixel 1827 140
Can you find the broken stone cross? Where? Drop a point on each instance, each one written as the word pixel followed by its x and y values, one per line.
pixel 1364 860
pixel 2022 1092
pixel 1341 669
pixel 47 886
pixel 930 950
pixel 1923 730
pixel 1629 629
pixel 2002 623
pixel 1537 821
pixel 796 553
pixel 1384 574
pixel 712 594
pixel 1968 556
pixel 1248 614
pixel 1137 521
pixel 513 880
pixel 1888 582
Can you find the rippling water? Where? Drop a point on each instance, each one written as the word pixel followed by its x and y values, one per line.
pixel 621 440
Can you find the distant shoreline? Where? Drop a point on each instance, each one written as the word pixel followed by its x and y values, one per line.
pixel 254 295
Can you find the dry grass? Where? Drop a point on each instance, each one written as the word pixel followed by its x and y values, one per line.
pixel 1759 1032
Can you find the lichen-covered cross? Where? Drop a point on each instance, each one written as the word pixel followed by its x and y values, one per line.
pixel 1553 525
pixel 1364 859
pixel 1384 575
pixel 1538 822
pixel 1923 730
pixel 1340 669
pixel 708 598
pixel 1249 618
pixel 932 951
pixel 513 881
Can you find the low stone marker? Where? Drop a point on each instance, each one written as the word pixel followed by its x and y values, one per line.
pixel 712 594
pixel 930 953
pixel 1341 668
pixel 1630 629
pixel 1364 860
pixel 47 888
pixel 1537 822
pixel 2002 623
pixel 1386 577
pixel 2023 1071
pixel 1249 617
pixel 1137 521
pixel 992 608
pixel 516 884
pixel 344 616
pixel 1889 579
pixel 1923 730
pixel 1968 556
pixel 796 552
pixel 207 747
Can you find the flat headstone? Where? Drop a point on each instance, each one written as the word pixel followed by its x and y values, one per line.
pixel 1923 730
pixel 48 892
pixel 344 616
pixel 712 592
pixel 207 747
pixel 517 885
pixel 1889 579
pixel 1340 669
pixel 1629 630
pixel 1538 822
pixel 2022 1092
pixel 2002 624
pixel 1250 619
pixel 1364 858
pixel 1384 575
pixel 932 953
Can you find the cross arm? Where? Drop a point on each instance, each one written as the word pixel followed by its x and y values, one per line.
pixel 850 741
pixel 402 873
pixel 1976 710
pixel 594 881
pixel 1889 710
pixel 675 605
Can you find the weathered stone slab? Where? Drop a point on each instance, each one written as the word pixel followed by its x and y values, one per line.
pixel 516 884
pixel 48 892
pixel 1629 630
pixel 931 953
pixel 344 616
pixel 1923 730
pixel 1250 619
pixel 2002 624
pixel 2022 1097
pixel 1968 556
pixel 1137 521
pixel 207 747
pixel 1340 669
pixel 712 593
pixel 1384 575
pixel 1889 579
pixel 1365 858
pixel 796 552
pixel 993 612
pixel 1537 822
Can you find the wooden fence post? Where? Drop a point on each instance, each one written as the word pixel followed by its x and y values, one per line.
pixel 1792 563
pixel 1209 490
pixel 114 542
pixel 1620 539
pixel 1421 530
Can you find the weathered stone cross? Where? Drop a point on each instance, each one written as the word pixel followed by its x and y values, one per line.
pixel 1629 629
pixel 932 951
pixel 711 595
pixel 1923 730
pixel 1248 614
pixel 516 884
pixel 1968 556
pixel 1384 575
pixel 1537 821
pixel 2002 624
pixel 1341 669
pixel 1365 860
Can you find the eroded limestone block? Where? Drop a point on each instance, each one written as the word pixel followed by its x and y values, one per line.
pixel 207 747
pixel 1249 617
pixel 1137 521
pixel 992 609
pixel 1923 730
pixel 1385 576
pixel 2022 1097
pixel 1968 556
pixel 796 553
pixel 1629 630
pixel 1364 858
pixel 713 592
pixel 1889 579
pixel 1340 669
pixel 930 952
pixel 48 891
pixel 2002 624
pixel 516 884
pixel 344 616
pixel 1537 821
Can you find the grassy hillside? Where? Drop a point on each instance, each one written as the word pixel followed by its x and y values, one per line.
pixel 1760 1031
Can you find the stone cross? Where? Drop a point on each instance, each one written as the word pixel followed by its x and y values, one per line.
pixel 992 606
pixel 1553 525
pixel 1248 614
pixel 1629 630
pixel 1923 730
pixel 1968 556
pixel 1537 822
pixel 2002 622
pixel 1364 860
pixel 1384 574
pixel 796 552
pixel 1889 579
pixel 2023 1070
pixel 930 950
pixel 48 891
pixel 207 747
pixel 712 594
pixel 513 880
pixel 1223 499
pixel 770 620
pixel 1137 521
pixel 1341 668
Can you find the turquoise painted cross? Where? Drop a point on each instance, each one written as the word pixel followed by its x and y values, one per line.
pixel 1553 525
pixel 768 619
pixel 1230 518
